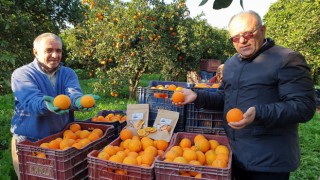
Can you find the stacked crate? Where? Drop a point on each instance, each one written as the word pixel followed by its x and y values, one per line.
pixel 59 164
pixel 207 68
pixel 204 121
pixel 147 96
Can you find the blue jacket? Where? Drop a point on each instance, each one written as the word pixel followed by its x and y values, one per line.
pixel 277 83
pixel 31 117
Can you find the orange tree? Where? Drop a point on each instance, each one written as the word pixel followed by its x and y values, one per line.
pixel 120 41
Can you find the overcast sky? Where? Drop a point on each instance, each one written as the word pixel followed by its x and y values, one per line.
pixel 220 18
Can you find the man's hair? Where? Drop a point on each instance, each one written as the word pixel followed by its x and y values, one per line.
pixel 45 35
pixel 256 15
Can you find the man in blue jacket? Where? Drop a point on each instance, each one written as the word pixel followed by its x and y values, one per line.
pixel 272 86
pixel 34 87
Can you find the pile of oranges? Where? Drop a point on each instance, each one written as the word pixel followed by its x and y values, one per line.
pixel 133 150
pixel 170 87
pixel 198 152
pixel 204 85
pixel 72 137
pixel 111 117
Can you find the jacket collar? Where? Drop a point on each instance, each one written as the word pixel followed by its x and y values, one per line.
pixel 267 45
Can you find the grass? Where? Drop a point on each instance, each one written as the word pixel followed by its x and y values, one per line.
pixel 309 133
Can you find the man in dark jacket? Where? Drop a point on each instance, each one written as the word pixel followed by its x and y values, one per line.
pixel 272 86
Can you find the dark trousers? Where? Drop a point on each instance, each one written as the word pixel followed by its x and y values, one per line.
pixel 241 174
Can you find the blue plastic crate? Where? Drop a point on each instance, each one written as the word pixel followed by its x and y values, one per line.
pixel 204 121
pixel 165 103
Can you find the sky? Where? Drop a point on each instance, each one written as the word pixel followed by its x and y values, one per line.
pixel 220 18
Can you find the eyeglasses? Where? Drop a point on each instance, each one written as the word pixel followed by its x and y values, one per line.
pixel 246 35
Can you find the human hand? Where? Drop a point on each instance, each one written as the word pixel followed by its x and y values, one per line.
pixel 80 107
pixel 49 103
pixel 248 118
pixel 189 97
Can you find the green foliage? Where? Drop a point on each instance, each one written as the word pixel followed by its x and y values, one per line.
pixel 220 4
pixel 122 41
pixel 295 24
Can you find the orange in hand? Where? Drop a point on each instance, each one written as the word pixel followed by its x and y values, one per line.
pixel 234 115
pixel 87 101
pixel 62 101
pixel 177 97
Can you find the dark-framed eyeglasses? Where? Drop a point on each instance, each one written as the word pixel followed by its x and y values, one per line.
pixel 246 35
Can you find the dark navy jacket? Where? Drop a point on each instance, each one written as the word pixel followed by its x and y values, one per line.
pixel 277 83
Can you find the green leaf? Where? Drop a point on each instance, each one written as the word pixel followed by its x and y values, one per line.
pixel 203 2
pixel 219 4
pixel 241 4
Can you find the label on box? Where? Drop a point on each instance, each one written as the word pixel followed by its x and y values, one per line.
pixel 165 123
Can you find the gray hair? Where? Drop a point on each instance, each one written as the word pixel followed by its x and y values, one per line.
pixel 45 35
pixel 256 15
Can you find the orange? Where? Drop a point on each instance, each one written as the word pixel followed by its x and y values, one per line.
pixel 177 149
pixel 189 155
pixel 162 144
pixel 142 132
pixel 202 145
pixel 213 144
pixel 103 155
pixel 84 134
pixel 215 85
pixel 224 157
pixel 62 101
pixel 41 155
pixel 234 115
pixel 75 127
pixel 77 145
pixel 197 137
pixel 185 143
pixel 135 145
pixel 93 137
pixel 111 150
pixel 219 163
pixel 69 135
pixel 133 154
pixel 125 134
pixel 116 158
pixel 177 97
pixel 201 157
pixel 66 143
pixel 121 172
pixel 130 160
pixel 172 87
pixel 87 101
pixel 171 155
pixel 180 160
pixel 222 149
pixel 194 163
pixel 54 144
pixel 147 159
pixel 98 131
pixel 44 145
pixel 151 150
pixel 84 142
pixel 210 157
pixel 198 176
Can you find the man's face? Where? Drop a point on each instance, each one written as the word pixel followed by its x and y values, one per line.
pixel 49 53
pixel 244 25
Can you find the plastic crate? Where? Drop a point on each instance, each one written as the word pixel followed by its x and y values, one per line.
pixel 170 170
pixel 117 125
pixel 204 121
pixel 165 103
pixel 209 65
pixel 142 95
pixel 100 169
pixel 59 164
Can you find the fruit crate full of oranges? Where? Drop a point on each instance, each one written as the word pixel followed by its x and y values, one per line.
pixel 127 157
pixel 192 155
pixel 116 118
pixel 204 121
pixel 64 154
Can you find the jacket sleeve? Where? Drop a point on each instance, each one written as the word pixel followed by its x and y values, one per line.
pixel 296 92
pixel 210 100
pixel 27 92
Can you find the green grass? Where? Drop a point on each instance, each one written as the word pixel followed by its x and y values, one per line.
pixel 309 133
